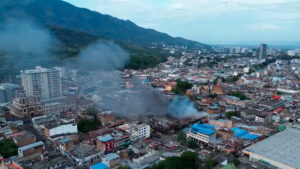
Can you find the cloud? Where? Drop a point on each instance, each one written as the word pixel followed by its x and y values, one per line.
pixel 266 26
pixel 222 19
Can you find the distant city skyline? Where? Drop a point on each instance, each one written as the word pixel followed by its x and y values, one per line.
pixel 209 21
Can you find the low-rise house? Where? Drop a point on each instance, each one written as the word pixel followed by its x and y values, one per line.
pixel 55 163
pixel 232 100
pixel 31 149
pixel 248 137
pixel 146 160
pixel 24 139
pixel 84 154
pixel 272 104
pixel 249 114
pixel 261 118
pixel 107 118
pixel 112 160
pixel 65 144
pixel 221 123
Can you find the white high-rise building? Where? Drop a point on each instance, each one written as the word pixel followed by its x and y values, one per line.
pixel 42 82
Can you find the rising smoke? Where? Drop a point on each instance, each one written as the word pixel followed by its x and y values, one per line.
pixel 181 106
pixel 103 60
pixel 103 55
pixel 27 43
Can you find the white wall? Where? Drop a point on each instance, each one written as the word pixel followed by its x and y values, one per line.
pixel 63 129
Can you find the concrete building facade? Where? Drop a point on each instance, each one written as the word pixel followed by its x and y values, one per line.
pixel 42 82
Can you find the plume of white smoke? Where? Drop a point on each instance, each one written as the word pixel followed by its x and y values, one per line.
pixel 181 106
pixel 27 43
pixel 103 59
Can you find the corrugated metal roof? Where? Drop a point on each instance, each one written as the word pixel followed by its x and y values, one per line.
pixel 31 146
pixel 282 147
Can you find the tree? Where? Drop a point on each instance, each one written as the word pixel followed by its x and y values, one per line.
pixel 232 113
pixel 160 165
pixel 210 163
pixel 251 70
pixel 181 87
pixel 189 160
pixel 86 125
pixel 173 163
pixel 124 167
pixel 240 95
pixel 212 95
pixel 181 137
pixel 233 78
pixel 8 148
pixel 236 162
pixel 192 144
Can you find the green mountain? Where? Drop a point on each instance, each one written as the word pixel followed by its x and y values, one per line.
pixel 62 14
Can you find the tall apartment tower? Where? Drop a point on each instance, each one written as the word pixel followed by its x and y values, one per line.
pixel 262 51
pixel 8 92
pixel 42 82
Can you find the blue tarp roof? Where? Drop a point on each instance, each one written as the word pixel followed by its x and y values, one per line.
pixel 241 133
pixel 250 136
pixel 206 125
pixel 105 138
pixel 99 166
pixel 238 132
pixel 202 129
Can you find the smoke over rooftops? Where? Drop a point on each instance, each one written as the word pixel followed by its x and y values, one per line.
pixel 103 55
pixel 29 45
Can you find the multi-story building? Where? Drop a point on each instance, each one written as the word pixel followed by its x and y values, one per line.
pixel 8 92
pixel 105 143
pixel 42 82
pixel 201 133
pixel 121 138
pixel 262 51
pixel 26 107
pixel 137 131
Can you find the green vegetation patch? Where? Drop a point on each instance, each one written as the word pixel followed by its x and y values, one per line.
pixel 8 148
